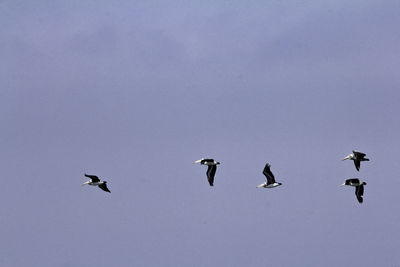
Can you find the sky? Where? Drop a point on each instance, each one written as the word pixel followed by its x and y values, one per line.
pixel 135 91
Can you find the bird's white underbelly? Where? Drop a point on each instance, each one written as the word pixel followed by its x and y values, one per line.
pixel 272 185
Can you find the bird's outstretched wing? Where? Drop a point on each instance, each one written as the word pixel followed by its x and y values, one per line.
pixel 357 164
pixel 268 174
pixel 360 193
pixel 93 177
pixel 104 187
pixel 211 173
pixel 359 154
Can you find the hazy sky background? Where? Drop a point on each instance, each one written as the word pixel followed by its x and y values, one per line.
pixel 134 91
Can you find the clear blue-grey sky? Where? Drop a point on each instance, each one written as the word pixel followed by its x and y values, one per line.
pixel 134 91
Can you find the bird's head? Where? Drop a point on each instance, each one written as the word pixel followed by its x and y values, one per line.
pixel 85 183
pixel 217 163
pixel 364 183
pixel 198 161
pixel 348 157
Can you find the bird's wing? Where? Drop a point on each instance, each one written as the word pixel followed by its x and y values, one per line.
pixel 93 177
pixel 211 173
pixel 357 164
pixel 360 190
pixel 359 154
pixel 353 180
pixel 360 193
pixel 207 160
pixel 104 187
pixel 268 174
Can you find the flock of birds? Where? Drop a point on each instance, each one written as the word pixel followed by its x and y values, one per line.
pixel 356 157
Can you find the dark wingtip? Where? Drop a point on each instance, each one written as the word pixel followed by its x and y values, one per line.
pixel 360 199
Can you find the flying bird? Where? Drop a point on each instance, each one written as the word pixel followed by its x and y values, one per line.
pixel 358 185
pixel 357 157
pixel 212 168
pixel 270 183
pixel 94 180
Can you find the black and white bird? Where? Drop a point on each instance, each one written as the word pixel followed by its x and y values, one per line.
pixel 270 183
pixel 212 168
pixel 357 157
pixel 94 180
pixel 359 187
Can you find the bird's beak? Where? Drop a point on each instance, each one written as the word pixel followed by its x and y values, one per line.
pixel 85 183
pixel 343 184
pixel 197 161
pixel 346 158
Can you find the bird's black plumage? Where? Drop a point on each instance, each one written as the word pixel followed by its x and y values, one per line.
pixel 359 154
pixel 104 186
pixel 352 181
pixel 205 161
pixel 268 174
pixel 95 181
pixel 94 178
pixel 211 168
pixel 359 187
pixel 360 193
pixel 211 173
pixel 358 157
pixel 357 164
